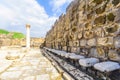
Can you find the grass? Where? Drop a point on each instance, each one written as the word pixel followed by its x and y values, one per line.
pixel 16 35
pixel 3 31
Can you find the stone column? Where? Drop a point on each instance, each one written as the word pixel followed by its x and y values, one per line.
pixel 27 35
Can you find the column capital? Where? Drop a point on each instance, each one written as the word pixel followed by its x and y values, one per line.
pixel 27 25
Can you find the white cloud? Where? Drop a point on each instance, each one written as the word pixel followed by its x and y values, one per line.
pixel 15 14
pixel 58 4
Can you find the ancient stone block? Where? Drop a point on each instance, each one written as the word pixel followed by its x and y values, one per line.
pixel 98 1
pixel 88 27
pixel 100 20
pixel 65 48
pixel 117 42
pixel 112 30
pixel 76 43
pixel 115 2
pixel 83 42
pixel 101 52
pixel 113 55
pixel 111 17
pixel 80 35
pixel 88 34
pixel 105 41
pixel 70 43
pixel 117 16
pixel 73 49
pixel 93 52
pixel 99 32
pixel 100 10
pixel 91 42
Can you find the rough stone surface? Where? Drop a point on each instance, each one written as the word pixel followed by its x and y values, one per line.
pixel 88 24
pixel 31 65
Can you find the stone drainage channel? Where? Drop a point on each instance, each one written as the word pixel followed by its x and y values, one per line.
pixel 71 72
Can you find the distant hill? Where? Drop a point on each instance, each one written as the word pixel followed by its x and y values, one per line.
pixel 14 35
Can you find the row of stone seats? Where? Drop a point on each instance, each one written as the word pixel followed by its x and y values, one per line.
pixel 106 66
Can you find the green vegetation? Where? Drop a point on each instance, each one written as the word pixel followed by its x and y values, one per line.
pixel 3 31
pixel 15 35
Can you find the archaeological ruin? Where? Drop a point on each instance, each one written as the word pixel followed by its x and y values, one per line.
pixel 90 28
pixel 87 37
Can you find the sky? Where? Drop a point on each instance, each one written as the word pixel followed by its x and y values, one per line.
pixel 40 14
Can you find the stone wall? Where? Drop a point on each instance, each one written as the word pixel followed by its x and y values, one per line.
pixel 90 28
pixel 7 40
pixel 36 42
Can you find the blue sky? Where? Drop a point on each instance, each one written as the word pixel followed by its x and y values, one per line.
pixel 40 14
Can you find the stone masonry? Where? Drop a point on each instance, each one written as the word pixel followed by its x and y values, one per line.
pixel 90 28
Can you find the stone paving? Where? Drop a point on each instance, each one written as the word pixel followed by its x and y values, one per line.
pixel 26 65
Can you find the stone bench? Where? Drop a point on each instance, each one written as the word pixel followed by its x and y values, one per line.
pixel 88 62
pixel 63 53
pixel 75 57
pixel 107 66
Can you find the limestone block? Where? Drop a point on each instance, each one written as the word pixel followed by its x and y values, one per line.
pixel 83 42
pixel 91 42
pixel 105 41
pixel 75 36
pixel 76 43
pixel 115 2
pixel 101 53
pixel 100 20
pixel 87 27
pixel 79 35
pixel 65 48
pixel 101 9
pixel 112 30
pixel 99 32
pixel 117 16
pixel 93 52
pixel 117 42
pixel 70 43
pixel 89 34
pixel 73 49
pixel 107 66
pixel 113 55
pixel 110 16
